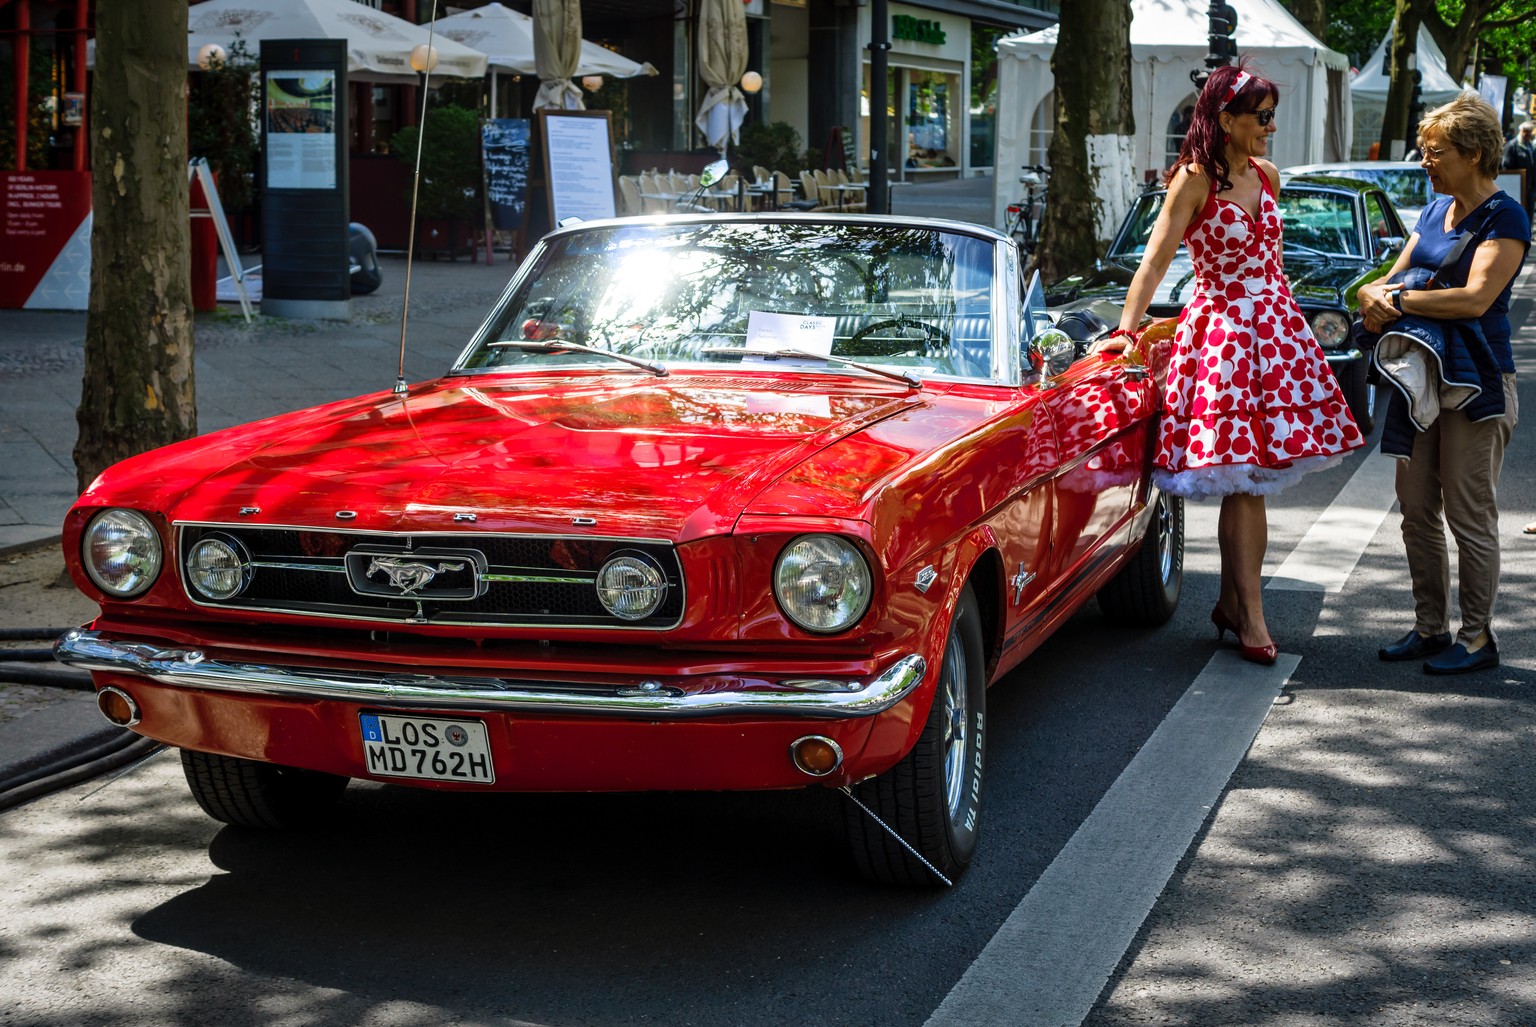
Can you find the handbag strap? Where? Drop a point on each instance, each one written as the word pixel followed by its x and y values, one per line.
pixel 1453 255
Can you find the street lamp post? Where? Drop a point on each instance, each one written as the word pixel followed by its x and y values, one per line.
pixel 1221 20
pixel 879 130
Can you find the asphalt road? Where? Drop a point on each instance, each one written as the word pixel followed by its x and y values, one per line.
pixel 1367 861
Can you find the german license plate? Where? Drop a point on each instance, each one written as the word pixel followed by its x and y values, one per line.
pixel 424 747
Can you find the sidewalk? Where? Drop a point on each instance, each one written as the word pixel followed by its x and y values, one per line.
pixel 274 365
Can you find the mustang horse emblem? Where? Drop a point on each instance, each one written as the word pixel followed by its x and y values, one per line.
pixel 409 575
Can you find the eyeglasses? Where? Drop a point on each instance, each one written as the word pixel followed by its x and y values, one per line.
pixel 1434 153
pixel 1265 116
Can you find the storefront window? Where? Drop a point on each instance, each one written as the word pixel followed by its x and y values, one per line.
pixel 1042 126
pixel 983 108
pixel 1178 128
pixel 892 123
pixel 933 136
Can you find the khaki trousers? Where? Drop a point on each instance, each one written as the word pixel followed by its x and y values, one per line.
pixel 1454 471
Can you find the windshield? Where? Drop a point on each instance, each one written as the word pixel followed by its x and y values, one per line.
pixel 1138 227
pixel 917 299
pixel 1322 221
pixel 1408 187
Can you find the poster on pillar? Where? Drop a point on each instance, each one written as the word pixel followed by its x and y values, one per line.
pixel 45 240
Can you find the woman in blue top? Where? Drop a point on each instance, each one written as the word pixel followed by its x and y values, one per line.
pixel 1455 463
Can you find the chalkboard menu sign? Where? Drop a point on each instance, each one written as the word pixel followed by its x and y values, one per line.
pixel 505 145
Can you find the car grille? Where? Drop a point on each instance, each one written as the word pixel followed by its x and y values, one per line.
pixel 513 580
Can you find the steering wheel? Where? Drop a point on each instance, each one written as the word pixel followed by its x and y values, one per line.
pixel 933 333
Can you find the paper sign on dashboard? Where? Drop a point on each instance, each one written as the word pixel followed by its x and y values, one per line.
pixel 802 332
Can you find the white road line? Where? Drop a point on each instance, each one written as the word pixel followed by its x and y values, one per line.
pixel 1326 556
pixel 1049 961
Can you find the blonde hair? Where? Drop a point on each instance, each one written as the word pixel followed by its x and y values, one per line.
pixel 1470 125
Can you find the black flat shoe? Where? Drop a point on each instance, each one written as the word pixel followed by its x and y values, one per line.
pixel 1457 660
pixel 1413 646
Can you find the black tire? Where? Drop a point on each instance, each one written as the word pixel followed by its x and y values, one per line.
pixel 932 798
pixel 1146 591
pixel 250 794
pixel 1359 394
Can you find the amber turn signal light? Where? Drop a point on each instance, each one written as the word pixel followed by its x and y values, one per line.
pixel 117 706
pixel 816 755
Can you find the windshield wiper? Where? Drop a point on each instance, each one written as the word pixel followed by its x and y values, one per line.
pixel 553 346
pixel 799 354
pixel 1327 257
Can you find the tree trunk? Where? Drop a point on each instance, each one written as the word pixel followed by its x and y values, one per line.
pixel 1313 15
pixel 137 391
pixel 1394 121
pixel 1092 181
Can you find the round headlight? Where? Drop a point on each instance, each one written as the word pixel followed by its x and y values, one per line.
pixel 121 552
pixel 630 586
pixel 1331 328
pixel 218 567
pixel 822 583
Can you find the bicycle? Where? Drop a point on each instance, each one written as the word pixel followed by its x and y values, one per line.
pixel 1022 220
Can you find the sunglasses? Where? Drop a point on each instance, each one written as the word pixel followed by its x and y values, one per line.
pixel 1264 117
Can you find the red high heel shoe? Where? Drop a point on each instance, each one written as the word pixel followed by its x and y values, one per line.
pixel 1265 654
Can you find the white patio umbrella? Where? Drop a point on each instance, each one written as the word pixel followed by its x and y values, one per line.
pixel 505 36
pixel 556 51
pixel 722 61
pixel 379 45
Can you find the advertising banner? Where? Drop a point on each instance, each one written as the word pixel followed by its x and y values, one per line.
pixel 301 130
pixel 45 239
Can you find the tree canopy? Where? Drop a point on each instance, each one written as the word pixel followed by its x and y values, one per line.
pixel 1502 32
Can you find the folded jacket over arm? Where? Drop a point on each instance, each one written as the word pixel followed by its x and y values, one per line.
pixel 1433 364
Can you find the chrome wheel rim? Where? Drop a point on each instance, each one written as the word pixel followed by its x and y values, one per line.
pixel 1164 540
pixel 956 728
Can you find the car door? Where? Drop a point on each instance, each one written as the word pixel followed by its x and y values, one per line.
pixel 1102 411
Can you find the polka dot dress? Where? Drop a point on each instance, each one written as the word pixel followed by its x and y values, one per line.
pixel 1250 405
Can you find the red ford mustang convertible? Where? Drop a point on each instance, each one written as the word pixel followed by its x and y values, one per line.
pixel 720 502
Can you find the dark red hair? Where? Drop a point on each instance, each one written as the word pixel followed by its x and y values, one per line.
pixel 1205 145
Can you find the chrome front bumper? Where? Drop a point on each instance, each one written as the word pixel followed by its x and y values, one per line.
pixel 650 700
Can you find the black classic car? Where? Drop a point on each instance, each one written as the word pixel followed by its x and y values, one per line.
pixel 1339 234
pixel 1406 182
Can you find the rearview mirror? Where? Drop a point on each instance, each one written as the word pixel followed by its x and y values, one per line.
pixel 1050 353
pixel 1388 245
pixel 713 172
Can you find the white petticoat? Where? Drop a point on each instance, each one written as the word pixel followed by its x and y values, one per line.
pixel 1239 479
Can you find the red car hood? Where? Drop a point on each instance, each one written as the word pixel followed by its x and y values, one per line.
pixel 673 458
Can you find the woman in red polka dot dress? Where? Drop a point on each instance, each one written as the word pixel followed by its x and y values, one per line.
pixel 1250 403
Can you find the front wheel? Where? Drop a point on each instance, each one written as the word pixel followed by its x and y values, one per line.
pixel 932 798
pixel 246 793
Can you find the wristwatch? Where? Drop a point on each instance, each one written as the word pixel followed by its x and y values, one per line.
pixel 1397 300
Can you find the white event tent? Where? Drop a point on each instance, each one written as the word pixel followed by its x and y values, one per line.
pixel 1369 88
pixel 1168 41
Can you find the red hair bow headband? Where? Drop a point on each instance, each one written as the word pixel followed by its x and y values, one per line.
pixel 1236 87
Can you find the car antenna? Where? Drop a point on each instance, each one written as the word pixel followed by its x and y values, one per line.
pixel 410 243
